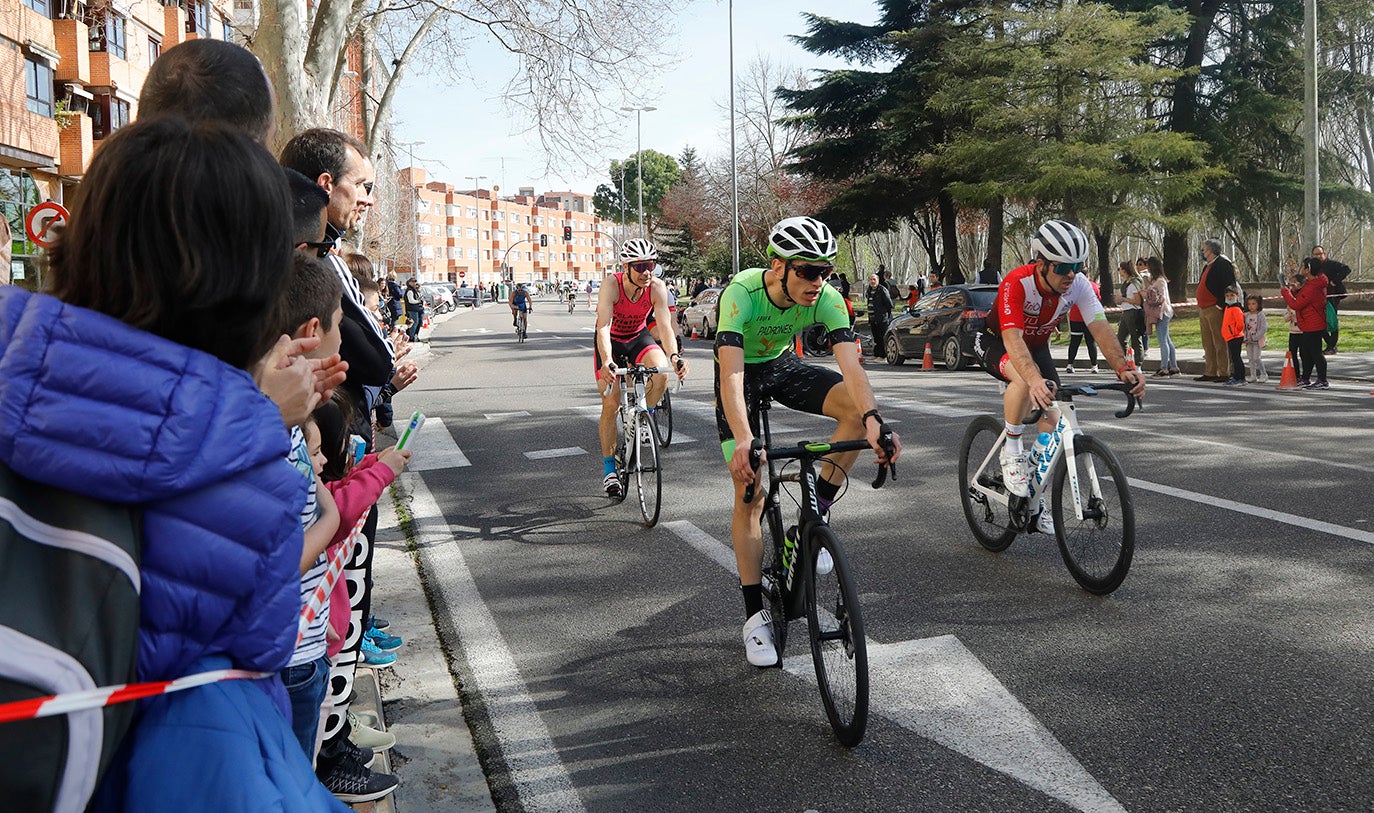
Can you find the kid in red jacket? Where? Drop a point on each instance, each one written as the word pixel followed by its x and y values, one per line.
pixel 1233 331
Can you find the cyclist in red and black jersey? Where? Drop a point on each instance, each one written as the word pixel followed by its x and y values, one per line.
pixel 623 307
pixel 1015 347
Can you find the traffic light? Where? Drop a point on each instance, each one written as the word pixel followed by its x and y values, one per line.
pixel 567 234
pixel 543 240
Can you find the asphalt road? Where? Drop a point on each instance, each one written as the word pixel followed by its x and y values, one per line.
pixel 602 665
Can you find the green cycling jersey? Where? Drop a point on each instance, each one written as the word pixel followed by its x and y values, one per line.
pixel 745 309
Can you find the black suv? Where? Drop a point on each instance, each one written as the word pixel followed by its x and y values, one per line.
pixel 948 318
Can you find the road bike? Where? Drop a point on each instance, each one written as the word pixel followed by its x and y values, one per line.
pixel 571 302
pixel 522 322
pixel 794 587
pixel 1094 516
pixel 636 444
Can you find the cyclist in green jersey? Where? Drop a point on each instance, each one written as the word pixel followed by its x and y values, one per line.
pixel 758 314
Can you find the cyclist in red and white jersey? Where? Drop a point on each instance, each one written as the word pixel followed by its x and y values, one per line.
pixel 1015 348
pixel 623 307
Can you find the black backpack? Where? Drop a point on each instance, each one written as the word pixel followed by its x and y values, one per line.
pixel 69 611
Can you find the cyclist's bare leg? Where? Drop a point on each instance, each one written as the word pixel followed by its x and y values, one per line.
pixel 658 384
pixel 747 535
pixel 849 425
pixel 1016 402
pixel 610 404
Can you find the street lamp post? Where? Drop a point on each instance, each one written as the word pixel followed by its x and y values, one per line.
pixel 734 181
pixel 478 239
pixel 639 156
pixel 414 210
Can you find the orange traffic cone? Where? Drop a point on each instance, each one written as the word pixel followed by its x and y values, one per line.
pixel 695 335
pixel 859 344
pixel 1289 381
pixel 928 359
pixel 1130 357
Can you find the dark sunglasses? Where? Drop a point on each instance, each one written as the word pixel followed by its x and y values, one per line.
pixel 367 187
pixel 1065 269
pixel 643 267
pixel 321 249
pixel 812 272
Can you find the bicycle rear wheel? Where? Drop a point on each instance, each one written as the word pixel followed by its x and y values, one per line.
pixel 648 477
pixel 838 649
pixel 773 585
pixel 624 454
pixel 663 417
pixel 1098 548
pixel 989 520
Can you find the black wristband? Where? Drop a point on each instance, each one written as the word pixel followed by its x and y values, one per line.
pixel 872 413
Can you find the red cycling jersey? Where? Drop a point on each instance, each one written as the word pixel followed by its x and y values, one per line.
pixel 1021 304
pixel 629 317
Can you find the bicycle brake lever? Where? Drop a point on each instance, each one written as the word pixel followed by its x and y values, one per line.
pixel 884 469
pixel 755 458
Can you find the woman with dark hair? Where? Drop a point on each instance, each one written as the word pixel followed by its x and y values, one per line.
pixel 1132 326
pixel 129 385
pixel 1159 312
pixel 1306 295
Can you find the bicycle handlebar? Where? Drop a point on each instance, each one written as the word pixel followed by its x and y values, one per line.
pixel 803 451
pixel 1090 389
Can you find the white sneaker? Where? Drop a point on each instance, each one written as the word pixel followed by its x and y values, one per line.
pixel 824 562
pixel 1015 474
pixel 1068 368
pixel 758 640
pixel 1093 370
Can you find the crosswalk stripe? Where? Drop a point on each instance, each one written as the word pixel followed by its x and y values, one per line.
pixel 436 449
pixel 498 416
pixel 544 454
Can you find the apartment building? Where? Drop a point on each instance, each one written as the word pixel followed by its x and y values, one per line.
pixel 477 235
pixel 74 70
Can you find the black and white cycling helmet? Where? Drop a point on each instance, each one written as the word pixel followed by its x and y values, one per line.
pixel 1060 242
pixel 802 238
pixel 637 249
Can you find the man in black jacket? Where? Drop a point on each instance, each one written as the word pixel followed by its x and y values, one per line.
pixel 879 313
pixel 1335 272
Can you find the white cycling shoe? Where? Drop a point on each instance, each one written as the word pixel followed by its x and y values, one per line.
pixel 758 640
pixel 1016 473
pixel 1046 522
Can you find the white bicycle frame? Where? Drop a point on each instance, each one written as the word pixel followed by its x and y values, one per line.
pixel 1067 429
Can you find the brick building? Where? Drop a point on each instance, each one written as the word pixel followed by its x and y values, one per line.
pixel 466 235
pixel 74 71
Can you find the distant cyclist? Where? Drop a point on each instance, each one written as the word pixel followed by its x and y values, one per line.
pixel 1015 347
pixel 622 338
pixel 759 311
pixel 519 303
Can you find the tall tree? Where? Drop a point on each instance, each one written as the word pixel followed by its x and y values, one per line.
pixel 658 171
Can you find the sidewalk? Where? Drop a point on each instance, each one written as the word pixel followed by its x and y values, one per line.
pixel 1342 366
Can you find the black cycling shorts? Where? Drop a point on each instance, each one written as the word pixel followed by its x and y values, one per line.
pixel 626 353
pixel 993 353
pixel 787 380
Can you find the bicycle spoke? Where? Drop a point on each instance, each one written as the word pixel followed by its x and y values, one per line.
pixel 838 648
pixel 988 519
pixel 1097 548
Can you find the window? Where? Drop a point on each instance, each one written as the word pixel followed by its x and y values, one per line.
pixel 198 17
pixel 427 252
pixel 108 113
pixel 424 229
pixel 472 233
pixel 472 213
pixel 228 32
pixel 38 77
pixel 154 50
pixel 43 7
pixel 115 43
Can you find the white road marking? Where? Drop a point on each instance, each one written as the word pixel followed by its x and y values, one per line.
pixel 936 688
pixel 436 449
pixel 1257 511
pixel 501 416
pixel 544 454
pixel 536 771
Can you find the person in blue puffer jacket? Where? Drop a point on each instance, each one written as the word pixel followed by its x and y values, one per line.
pixel 131 384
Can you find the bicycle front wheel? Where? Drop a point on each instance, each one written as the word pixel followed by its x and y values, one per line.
pixel 1098 548
pixel 648 477
pixel 989 519
pixel 624 454
pixel 663 417
pixel 838 648
pixel 774 587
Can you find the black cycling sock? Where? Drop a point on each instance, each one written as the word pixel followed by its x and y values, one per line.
pixel 753 599
pixel 826 490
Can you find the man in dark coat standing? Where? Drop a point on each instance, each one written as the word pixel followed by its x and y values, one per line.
pixel 879 313
pixel 1218 274
pixel 1335 273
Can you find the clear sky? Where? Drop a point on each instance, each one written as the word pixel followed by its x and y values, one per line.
pixel 468 129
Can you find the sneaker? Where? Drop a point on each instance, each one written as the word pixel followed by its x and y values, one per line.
pixel 373 656
pixel 824 562
pixel 365 736
pixel 379 623
pixel 1068 369
pixel 1015 473
pixel 1160 374
pixel 1234 382
pixel 351 782
pixel 1264 378
pixel 758 640
pixel 1320 384
pixel 366 718
pixel 357 753
pixel 1093 369
pixel 1046 523
pixel 1329 352
pixel 612 486
pixel 1175 373
pixel 384 642
pixel 1250 379
pixel 1304 383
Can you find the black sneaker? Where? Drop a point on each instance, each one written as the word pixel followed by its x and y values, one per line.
pixel 351 783
pixel 357 753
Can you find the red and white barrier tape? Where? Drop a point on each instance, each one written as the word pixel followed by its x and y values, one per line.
pixel 103 696
pixel 110 695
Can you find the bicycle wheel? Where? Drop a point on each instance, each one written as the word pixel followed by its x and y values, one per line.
pixel 1098 548
pixel 773 588
pixel 838 648
pixel 648 477
pixel 989 520
pixel 663 419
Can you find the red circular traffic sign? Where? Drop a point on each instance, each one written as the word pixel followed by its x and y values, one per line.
pixel 38 225
pixel 462 274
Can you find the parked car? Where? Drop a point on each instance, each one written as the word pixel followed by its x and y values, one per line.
pixel 701 314
pixel 469 296
pixel 437 297
pixel 948 318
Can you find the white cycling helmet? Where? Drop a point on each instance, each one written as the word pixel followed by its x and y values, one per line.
pixel 637 249
pixel 802 238
pixel 1060 242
